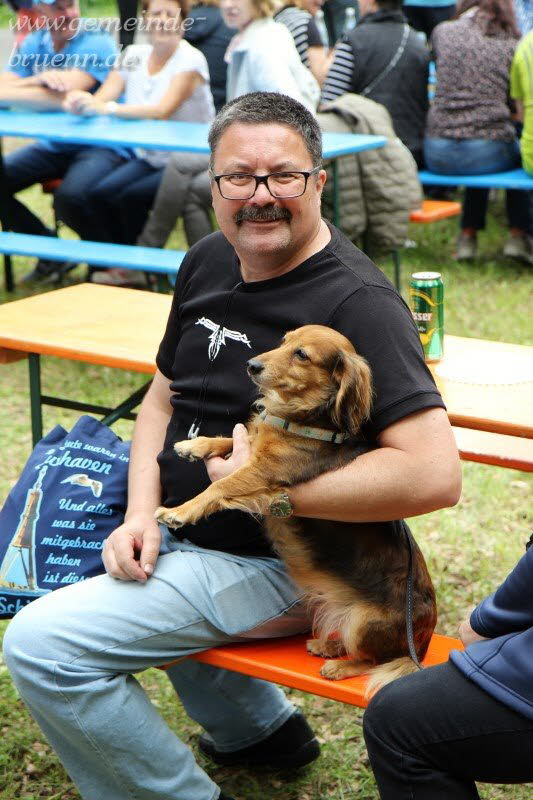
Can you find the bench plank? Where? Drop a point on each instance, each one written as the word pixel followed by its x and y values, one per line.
pixel 512 179
pixel 103 254
pixel 495 449
pixel 435 210
pixel 287 662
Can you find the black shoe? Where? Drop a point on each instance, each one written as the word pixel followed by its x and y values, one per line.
pixel 47 271
pixel 291 746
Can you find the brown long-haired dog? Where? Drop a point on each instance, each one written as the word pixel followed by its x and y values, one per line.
pixel 354 574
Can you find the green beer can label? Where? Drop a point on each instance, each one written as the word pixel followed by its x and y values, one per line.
pixel 426 299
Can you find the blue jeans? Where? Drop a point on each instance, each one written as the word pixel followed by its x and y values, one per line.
pixel 79 167
pixel 479 157
pixel 72 654
pixel 121 201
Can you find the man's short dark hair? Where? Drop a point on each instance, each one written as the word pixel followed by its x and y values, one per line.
pixel 258 108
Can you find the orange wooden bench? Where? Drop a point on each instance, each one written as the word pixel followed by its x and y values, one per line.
pixel 287 662
pixel 435 210
pixel 495 449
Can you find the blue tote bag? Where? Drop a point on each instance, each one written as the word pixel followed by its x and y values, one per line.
pixel 71 495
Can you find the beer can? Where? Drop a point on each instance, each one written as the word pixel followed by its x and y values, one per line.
pixel 426 299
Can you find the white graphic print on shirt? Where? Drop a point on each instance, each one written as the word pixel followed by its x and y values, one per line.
pixel 219 335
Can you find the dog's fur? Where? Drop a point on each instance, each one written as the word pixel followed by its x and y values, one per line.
pixel 355 575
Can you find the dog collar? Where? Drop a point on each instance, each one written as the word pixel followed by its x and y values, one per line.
pixel 304 430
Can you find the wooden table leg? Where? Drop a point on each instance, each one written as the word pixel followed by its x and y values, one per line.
pixel 34 363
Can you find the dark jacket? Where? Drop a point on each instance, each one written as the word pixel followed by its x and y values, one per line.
pixel 503 665
pixel 404 90
pixel 211 36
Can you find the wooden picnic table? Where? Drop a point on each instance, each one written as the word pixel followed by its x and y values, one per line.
pixel 487 386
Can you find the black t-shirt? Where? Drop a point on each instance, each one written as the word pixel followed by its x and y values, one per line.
pixel 217 322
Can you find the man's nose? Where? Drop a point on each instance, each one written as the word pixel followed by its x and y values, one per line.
pixel 262 195
pixel 255 366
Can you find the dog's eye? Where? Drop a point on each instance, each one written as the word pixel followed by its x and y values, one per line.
pixel 301 354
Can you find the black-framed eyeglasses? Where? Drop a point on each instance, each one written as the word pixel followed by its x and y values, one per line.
pixel 243 186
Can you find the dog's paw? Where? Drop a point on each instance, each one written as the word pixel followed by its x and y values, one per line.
pixel 189 449
pixel 169 517
pixel 331 648
pixel 338 669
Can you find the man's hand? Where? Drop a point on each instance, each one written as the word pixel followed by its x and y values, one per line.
pixel 74 100
pixel 467 634
pixel 131 551
pixel 221 467
pixel 53 79
pixel 83 103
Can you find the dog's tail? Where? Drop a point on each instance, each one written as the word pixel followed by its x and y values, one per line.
pixel 386 673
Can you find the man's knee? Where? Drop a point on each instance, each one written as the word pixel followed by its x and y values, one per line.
pixel 382 706
pixel 20 642
pixel 390 709
pixel 28 643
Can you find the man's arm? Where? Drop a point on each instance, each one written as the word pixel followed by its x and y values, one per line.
pixel 181 87
pixel 414 471
pixel 139 535
pixel 45 91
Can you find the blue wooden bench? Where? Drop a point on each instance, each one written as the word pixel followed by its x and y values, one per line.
pixel 145 259
pixel 513 179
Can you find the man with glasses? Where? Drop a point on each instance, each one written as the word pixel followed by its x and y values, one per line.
pixel 274 265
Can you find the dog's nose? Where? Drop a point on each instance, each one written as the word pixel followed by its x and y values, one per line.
pixel 255 366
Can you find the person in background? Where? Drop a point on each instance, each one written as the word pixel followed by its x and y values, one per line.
pixel 306 35
pixel 424 15
pixel 384 60
pixel 470 128
pixel 433 734
pixel 28 18
pixel 262 56
pixel 211 36
pixel 184 188
pixel 58 58
pixel 522 93
pixel 167 79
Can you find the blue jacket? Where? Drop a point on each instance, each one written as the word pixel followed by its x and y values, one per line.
pixel 503 665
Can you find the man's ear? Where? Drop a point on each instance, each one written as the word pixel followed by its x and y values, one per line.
pixel 353 400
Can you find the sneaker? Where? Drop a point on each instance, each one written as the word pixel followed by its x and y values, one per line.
pixel 47 271
pixel 518 246
pixel 466 247
pixel 291 746
pixel 117 276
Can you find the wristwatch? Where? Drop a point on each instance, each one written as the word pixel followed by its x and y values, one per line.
pixel 281 506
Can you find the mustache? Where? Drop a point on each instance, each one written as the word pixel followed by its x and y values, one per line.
pixel 262 214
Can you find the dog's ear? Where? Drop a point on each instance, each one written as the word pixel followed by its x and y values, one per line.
pixel 353 399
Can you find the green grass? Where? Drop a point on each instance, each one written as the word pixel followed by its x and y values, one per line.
pixel 469 548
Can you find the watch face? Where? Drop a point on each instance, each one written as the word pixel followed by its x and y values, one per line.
pixel 281 506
